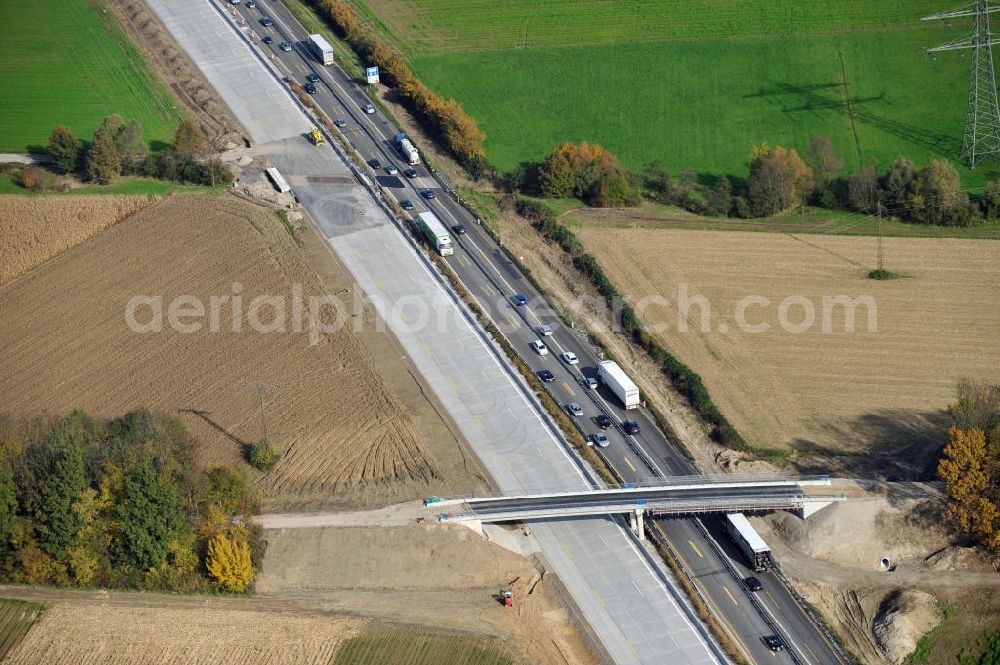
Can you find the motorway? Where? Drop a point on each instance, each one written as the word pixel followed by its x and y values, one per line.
pixel 492 279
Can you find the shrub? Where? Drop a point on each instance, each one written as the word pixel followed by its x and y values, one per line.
pixel 229 561
pixel 263 455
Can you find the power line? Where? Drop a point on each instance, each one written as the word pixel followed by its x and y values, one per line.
pixel 982 119
pixel 262 389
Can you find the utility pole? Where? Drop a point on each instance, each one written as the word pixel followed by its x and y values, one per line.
pixel 982 119
pixel 262 389
pixel 879 257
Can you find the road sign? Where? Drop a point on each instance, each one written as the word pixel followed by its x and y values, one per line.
pixel 372 74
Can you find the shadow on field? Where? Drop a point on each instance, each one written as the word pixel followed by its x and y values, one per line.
pixel 890 444
pixel 819 97
pixel 204 415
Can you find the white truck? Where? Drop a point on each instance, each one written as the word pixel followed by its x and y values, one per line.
pixel 406 149
pixel 615 378
pixel 321 49
pixel 436 233
pixel 754 549
pixel 279 181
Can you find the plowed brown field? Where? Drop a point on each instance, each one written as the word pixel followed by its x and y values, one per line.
pixel 65 344
pixel 92 634
pixel 33 229
pixel 868 394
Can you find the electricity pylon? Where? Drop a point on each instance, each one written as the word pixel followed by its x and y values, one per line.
pixel 982 120
pixel 261 389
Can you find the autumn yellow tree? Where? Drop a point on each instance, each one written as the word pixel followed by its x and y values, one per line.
pixel 228 561
pixel 965 470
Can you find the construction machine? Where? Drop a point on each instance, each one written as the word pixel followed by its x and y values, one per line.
pixel 316 137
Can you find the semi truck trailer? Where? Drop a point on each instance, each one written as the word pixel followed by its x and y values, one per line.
pixel 614 377
pixel 754 549
pixel 406 149
pixel 321 49
pixel 436 233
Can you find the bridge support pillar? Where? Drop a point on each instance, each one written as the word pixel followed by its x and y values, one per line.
pixel 635 521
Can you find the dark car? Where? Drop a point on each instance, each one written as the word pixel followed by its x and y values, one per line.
pixel 519 300
pixel 603 421
pixel 375 164
pixel 410 173
pixel 312 77
pixel 459 229
pixel 310 88
pixel 773 642
pixel 630 427
pixel 266 22
pixel 251 4
pixel 427 193
pixel 268 39
pixel 340 122
pixel 546 376
pixel 406 204
pixel 754 584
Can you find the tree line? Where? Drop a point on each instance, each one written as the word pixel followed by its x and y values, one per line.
pixel 119 503
pixel 970 464
pixel 779 180
pixel 118 148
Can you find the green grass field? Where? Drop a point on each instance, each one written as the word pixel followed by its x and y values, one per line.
pixel 691 84
pixel 68 62
pixel 407 647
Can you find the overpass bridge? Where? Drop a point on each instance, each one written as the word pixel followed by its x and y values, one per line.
pixel 681 495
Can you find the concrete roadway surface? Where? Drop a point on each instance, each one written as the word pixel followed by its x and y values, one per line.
pixel 621 589
pixel 493 279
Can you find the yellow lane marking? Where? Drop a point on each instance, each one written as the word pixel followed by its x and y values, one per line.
pixel 632 648
pixel 696 550
pixel 730 594
pixel 485 289
pixel 599 599
pixel 510 320
pixel 378 283
pixel 506 461
pixel 357 253
pixel 630 465
pixel 483 253
pixel 428 351
pixel 810 650
pixel 403 315
pixel 462 262
pixel 479 422
pixel 772 599
pixel 614 469
pixel 732 631
pixel 453 385
pixel 568 389
pixel 563 543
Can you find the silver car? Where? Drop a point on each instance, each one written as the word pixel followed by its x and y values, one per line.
pixel 600 439
pixel 574 409
pixel 369 108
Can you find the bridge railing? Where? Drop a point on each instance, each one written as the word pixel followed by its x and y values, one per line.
pixel 670 481
pixel 652 507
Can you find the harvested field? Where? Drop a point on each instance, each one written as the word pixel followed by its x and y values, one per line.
pixel 16 619
pixel 335 422
pixel 34 229
pixel 872 395
pixel 407 647
pixel 86 634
